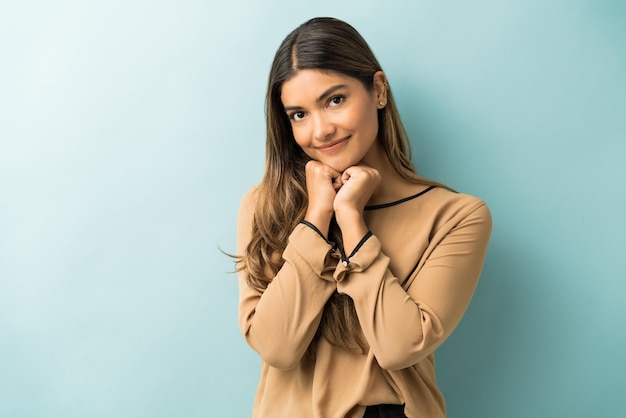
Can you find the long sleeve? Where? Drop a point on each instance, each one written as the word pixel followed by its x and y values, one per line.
pixel 404 324
pixel 411 280
pixel 280 322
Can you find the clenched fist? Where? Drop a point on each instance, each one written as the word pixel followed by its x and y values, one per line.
pixel 322 183
pixel 343 195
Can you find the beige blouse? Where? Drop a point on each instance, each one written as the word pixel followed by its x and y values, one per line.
pixel 411 282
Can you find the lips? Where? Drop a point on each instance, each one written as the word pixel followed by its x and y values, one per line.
pixel 333 146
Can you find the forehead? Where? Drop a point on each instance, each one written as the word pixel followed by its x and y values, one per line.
pixel 310 84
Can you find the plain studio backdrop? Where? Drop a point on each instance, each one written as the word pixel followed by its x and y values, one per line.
pixel 129 131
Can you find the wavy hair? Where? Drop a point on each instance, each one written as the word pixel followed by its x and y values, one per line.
pixel 328 45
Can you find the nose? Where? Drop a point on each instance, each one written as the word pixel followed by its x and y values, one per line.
pixel 324 128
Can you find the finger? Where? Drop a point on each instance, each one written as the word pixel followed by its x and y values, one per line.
pixel 331 174
pixel 311 165
pixel 337 183
pixel 331 171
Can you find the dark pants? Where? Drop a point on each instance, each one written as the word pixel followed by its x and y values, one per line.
pixel 384 411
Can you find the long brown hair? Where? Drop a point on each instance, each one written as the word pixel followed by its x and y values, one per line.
pixel 329 45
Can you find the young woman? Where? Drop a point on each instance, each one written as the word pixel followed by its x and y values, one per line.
pixel 352 268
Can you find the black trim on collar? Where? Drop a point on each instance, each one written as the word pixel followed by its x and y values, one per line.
pixel 397 202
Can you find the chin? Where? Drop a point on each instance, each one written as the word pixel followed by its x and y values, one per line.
pixel 336 167
pixel 340 164
pixel 341 167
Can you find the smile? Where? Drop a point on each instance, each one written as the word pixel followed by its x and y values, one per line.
pixel 333 146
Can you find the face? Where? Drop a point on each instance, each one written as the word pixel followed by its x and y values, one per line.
pixel 334 118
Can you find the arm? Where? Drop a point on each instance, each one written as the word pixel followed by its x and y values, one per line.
pixel 280 322
pixel 404 326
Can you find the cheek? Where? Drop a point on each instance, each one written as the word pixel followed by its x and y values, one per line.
pixel 369 120
pixel 298 136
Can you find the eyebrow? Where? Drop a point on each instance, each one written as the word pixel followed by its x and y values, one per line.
pixel 322 96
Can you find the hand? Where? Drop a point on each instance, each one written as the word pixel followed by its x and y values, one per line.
pixel 358 184
pixel 322 183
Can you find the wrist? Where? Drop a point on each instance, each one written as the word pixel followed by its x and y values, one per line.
pixel 353 229
pixel 349 217
pixel 321 220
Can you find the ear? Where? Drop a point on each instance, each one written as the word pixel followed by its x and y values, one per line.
pixel 380 89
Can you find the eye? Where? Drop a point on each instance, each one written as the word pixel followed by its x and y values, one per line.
pixel 296 116
pixel 336 100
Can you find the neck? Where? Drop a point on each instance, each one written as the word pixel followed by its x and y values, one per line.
pixel 393 186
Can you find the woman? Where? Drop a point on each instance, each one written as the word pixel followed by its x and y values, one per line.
pixel 353 269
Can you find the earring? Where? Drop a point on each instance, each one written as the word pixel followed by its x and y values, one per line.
pixel 381 103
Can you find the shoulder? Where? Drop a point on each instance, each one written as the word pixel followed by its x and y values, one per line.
pixel 250 197
pixel 246 218
pixel 455 209
pixel 247 206
pixel 452 208
pixel 445 199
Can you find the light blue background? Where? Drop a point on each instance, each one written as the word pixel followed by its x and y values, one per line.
pixel 129 130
